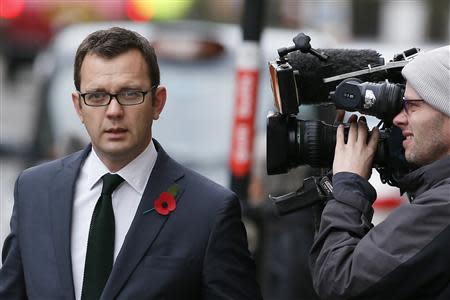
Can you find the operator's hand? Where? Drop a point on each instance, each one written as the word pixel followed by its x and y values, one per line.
pixel 357 154
pixel 340 114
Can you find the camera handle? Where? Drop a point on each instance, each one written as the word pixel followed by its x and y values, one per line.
pixel 302 43
pixel 315 190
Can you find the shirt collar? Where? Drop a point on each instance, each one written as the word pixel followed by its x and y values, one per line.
pixel 136 173
pixel 425 177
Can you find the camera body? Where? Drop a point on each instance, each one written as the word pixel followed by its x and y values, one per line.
pixel 352 80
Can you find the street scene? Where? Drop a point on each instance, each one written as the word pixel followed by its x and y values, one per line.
pixel 234 116
pixel 18 114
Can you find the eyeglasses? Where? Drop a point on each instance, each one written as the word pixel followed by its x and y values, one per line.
pixel 406 103
pixel 125 98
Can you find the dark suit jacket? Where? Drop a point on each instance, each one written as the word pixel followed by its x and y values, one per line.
pixel 199 251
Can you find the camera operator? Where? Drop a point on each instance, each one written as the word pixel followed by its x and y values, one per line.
pixel 408 255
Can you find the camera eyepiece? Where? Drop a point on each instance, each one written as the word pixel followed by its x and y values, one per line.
pixel 382 100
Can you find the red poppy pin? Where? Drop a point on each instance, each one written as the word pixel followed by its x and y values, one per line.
pixel 166 202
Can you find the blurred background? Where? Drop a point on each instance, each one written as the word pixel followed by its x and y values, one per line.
pixel 199 44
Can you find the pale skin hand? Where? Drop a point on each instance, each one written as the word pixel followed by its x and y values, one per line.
pixel 357 154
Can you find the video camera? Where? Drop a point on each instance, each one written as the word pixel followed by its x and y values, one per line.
pixel 352 80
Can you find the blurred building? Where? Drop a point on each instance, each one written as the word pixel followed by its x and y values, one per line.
pixel 382 20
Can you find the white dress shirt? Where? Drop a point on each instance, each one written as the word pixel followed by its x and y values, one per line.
pixel 125 201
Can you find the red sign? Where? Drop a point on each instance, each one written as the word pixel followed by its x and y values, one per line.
pixel 243 124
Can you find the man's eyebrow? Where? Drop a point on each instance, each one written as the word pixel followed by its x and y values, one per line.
pixel 93 90
pixel 131 87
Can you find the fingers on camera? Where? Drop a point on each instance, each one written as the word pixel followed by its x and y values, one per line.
pixel 373 141
pixel 362 129
pixel 353 118
pixel 353 131
pixel 340 136
pixel 339 116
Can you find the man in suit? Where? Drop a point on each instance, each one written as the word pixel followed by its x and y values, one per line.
pixel 158 230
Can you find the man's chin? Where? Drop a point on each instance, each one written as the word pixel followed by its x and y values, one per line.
pixel 114 149
pixel 118 152
pixel 416 160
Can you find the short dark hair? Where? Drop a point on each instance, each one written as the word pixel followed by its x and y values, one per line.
pixel 112 42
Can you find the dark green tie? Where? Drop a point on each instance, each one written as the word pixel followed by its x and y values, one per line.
pixel 100 248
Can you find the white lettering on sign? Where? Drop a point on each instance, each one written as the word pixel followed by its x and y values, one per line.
pixel 242 143
pixel 247 83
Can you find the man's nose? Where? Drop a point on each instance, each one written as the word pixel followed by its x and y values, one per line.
pixel 400 118
pixel 114 108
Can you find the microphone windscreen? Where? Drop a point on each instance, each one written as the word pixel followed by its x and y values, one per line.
pixel 312 71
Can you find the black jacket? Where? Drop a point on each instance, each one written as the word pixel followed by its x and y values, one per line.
pixel 405 257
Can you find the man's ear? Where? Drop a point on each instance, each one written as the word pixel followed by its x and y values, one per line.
pixel 76 101
pixel 159 101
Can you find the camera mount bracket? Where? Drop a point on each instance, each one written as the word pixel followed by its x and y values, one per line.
pixel 314 190
pixel 302 43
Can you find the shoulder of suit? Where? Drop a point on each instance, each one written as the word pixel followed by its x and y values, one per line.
pixel 192 177
pixel 202 183
pixel 52 166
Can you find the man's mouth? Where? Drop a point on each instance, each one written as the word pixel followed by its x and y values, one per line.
pixel 407 134
pixel 116 133
pixel 116 130
pixel 408 138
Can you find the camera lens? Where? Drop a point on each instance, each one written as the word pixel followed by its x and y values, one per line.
pixel 292 142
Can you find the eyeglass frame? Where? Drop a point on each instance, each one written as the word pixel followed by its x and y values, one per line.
pixel 111 96
pixel 405 103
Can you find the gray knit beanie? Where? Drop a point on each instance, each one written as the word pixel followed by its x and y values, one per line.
pixel 429 76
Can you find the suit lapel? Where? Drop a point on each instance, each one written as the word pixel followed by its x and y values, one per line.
pixel 145 227
pixel 61 195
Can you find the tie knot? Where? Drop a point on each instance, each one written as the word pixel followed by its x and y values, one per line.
pixel 110 183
